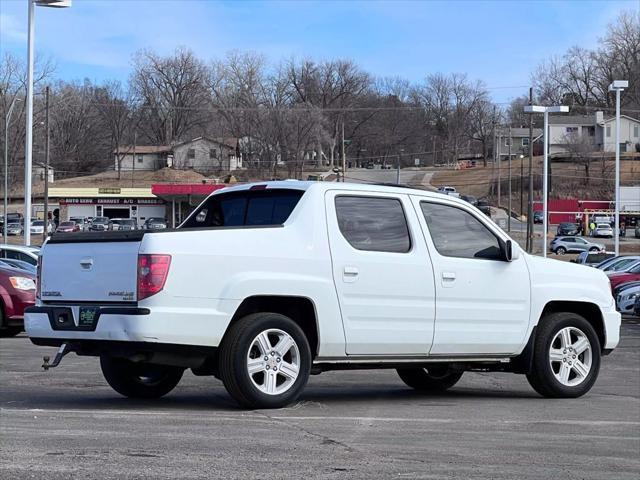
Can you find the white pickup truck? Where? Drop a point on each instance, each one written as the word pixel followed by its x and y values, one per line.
pixel 265 284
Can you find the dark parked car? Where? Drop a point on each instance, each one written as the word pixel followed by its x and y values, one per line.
pixel 18 291
pixel 470 199
pixel 124 224
pixel 538 216
pixel 100 224
pixel 155 224
pixel 636 309
pixel 484 207
pixel 568 229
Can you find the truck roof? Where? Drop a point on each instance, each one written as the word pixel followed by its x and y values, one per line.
pixel 324 186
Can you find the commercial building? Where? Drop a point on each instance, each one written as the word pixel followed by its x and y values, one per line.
pixel 112 202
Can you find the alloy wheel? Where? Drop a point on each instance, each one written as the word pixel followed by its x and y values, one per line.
pixel 273 361
pixel 570 356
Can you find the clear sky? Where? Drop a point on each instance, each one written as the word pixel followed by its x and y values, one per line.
pixel 499 42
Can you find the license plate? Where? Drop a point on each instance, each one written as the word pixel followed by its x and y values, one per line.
pixel 88 316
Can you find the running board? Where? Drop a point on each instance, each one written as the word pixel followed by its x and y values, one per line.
pixel 384 359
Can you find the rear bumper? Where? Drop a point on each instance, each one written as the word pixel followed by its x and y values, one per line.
pixel 180 326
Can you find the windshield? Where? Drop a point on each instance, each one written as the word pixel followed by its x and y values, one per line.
pixel 38 223
pixel 100 220
pixel 67 224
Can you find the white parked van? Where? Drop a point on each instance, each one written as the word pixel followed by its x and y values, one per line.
pixel 264 284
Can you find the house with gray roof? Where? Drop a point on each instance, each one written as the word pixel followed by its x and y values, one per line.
pixel 595 130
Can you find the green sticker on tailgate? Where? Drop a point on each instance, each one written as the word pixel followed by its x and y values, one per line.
pixel 88 316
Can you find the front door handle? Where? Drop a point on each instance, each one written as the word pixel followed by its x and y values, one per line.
pixel 350 274
pixel 448 279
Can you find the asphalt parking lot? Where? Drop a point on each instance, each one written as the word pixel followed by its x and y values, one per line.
pixel 68 423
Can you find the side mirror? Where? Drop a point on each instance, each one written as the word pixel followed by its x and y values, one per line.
pixel 509 251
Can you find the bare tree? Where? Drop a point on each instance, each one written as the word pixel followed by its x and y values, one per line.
pixel 171 93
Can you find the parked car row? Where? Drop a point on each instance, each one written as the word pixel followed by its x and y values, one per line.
pixel 624 276
pixel 102 224
pixel 17 286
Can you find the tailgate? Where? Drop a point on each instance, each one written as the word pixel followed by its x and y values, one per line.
pixel 95 271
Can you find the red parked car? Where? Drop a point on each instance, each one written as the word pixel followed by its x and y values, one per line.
pixel 624 277
pixel 17 292
pixel 68 227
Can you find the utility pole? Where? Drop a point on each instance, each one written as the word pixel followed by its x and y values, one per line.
pixel 530 198
pixel 344 155
pixel 398 171
pixel 45 230
pixel 499 174
pixel 509 190
pixel 133 162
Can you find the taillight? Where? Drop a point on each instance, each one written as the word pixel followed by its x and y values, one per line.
pixel 39 277
pixel 152 274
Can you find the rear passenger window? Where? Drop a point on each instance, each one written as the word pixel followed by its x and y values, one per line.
pixel 246 207
pixel 373 224
pixel 457 233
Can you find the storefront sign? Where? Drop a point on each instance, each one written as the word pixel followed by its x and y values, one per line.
pixel 109 191
pixel 111 201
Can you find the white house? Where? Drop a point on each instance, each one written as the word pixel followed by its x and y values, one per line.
pixel 592 129
pixel 205 155
pixel 141 157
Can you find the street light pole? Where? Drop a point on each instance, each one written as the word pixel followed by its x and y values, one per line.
pixel 617 86
pixel 45 230
pixel 29 127
pixel 7 119
pixel 28 146
pixel 545 166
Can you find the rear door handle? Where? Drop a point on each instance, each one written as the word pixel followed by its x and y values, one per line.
pixel 350 274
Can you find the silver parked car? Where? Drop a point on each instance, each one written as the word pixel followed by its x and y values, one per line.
pixel 562 245
pixel 627 297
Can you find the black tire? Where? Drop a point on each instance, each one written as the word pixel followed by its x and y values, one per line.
pixel 561 251
pixel 139 380
pixel 237 346
pixel 431 379
pixel 593 249
pixel 542 377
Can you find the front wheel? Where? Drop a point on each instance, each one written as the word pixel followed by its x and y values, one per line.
pixel 437 378
pixel 139 380
pixel 265 361
pixel 566 358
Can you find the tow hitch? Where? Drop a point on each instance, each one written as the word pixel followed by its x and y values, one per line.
pixel 62 351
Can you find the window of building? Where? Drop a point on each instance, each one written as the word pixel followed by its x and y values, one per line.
pixel 457 233
pixel 373 223
pixel 247 207
pixel 608 130
pixel 506 141
pixel 572 129
pixel 591 131
pixel 191 153
pixel 636 131
pixel 140 159
pixel 525 142
pixel 213 153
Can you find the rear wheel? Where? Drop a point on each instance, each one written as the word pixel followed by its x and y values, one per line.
pixel 437 378
pixel 566 358
pixel 594 250
pixel 139 380
pixel 561 251
pixel 265 361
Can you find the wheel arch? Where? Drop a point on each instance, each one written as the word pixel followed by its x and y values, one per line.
pixel 589 311
pixel 300 309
